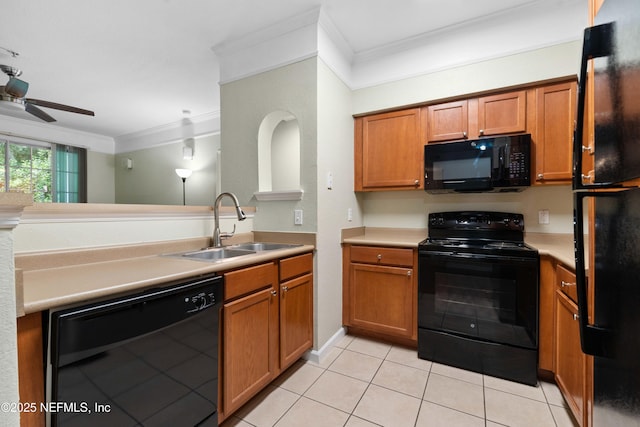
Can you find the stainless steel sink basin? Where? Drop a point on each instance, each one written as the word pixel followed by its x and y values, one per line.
pixel 259 246
pixel 215 254
pixel 222 253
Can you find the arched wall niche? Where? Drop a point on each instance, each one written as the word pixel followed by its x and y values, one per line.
pixel 279 157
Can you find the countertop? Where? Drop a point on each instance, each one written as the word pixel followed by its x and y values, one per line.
pixel 559 246
pixel 54 287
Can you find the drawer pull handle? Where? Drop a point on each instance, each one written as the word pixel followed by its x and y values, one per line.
pixel 274 292
pixel 285 288
pixel 409 273
pixel 575 316
pixel 379 257
pixel 566 284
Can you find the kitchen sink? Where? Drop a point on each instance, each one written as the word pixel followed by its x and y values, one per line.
pixel 222 253
pixel 215 254
pixel 259 246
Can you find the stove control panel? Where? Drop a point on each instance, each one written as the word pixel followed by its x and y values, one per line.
pixel 477 220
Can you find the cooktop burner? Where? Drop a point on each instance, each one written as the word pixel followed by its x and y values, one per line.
pixel 495 233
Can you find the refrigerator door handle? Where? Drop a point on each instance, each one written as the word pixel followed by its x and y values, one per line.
pixel 594 339
pixel 598 42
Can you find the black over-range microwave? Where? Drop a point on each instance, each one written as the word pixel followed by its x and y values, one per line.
pixel 496 164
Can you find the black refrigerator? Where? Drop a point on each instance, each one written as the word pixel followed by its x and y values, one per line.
pixel 612 335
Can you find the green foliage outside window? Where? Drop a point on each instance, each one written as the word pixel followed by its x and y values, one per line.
pixel 30 169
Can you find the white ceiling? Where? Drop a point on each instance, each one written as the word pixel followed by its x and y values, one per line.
pixel 139 63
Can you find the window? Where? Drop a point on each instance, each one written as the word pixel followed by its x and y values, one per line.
pixel 51 172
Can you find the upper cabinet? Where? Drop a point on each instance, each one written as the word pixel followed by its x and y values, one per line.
pixel 448 121
pixel 553 133
pixel 501 114
pixel 388 151
pixel 389 147
pixel 472 118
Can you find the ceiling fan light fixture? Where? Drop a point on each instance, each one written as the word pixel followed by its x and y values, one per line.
pixel 11 104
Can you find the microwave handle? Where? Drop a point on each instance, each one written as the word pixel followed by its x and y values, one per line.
pixel 501 161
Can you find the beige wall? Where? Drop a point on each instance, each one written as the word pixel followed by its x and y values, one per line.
pixel 244 104
pixel 101 184
pixel 520 68
pixel 335 156
pixel 153 180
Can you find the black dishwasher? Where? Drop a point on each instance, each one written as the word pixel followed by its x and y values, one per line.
pixel 148 359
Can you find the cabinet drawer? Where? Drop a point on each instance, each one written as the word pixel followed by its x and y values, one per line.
pixel 247 280
pixel 295 266
pixel 567 282
pixel 383 256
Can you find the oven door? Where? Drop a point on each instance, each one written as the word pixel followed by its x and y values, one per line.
pixel 480 297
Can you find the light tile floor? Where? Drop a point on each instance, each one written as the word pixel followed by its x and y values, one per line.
pixel 363 383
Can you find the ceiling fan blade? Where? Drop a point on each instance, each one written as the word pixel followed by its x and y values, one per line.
pixel 57 106
pixel 32 109
pixel 16 87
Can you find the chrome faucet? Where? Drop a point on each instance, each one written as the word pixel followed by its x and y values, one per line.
pixel 217 235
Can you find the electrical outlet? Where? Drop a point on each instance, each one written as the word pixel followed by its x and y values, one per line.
pixel 297 216
pixel 543 216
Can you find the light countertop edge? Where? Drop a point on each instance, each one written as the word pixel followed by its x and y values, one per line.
pixel 54 282
pixel 558 246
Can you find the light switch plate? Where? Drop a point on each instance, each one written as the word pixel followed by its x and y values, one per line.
pixel 297 217
pixel 543 216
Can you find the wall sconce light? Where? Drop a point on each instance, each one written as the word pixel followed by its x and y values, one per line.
pixel 187 153
pixel 184 174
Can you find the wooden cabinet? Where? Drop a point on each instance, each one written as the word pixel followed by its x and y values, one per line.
pixel 570 361
pixel 546 325
pixel 559 344
pixel 502 113
pixel 31 367
pixel 380 291
pixel 268 325
pixel 448 121
pixel 296 308
pixel 553 133
pixel 250 332
pixel 388 151
pixel 497 114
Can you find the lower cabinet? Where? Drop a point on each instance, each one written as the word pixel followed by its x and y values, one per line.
pixel 296 308
pixel 30 367
pixel 267 325
pixel 250 353
pixel 380 291
pixel 569 358
pixel 560 352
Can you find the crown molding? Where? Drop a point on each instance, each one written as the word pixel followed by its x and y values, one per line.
pixel 192 127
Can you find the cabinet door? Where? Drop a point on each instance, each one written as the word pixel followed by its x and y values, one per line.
pixel 30 367
pixel 381 299
pixel 502 114
pixel 546 330
pixel 250 346
pixel 296 319
pixel 388 151
pixel 554 132
pixel 448 121
pixel 570 362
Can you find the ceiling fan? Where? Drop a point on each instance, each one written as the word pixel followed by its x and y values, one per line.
pixel 15 90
